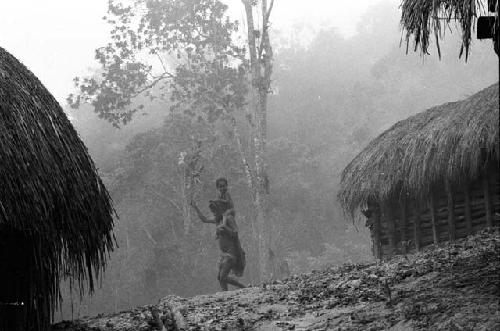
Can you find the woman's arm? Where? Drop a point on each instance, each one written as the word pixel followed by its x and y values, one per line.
pixel 200 215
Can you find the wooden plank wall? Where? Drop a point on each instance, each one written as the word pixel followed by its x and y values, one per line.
pixel 407 226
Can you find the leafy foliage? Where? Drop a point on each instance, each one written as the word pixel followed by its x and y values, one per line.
pixel 185 52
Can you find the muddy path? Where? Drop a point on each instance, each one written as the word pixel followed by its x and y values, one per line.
pixel 452 287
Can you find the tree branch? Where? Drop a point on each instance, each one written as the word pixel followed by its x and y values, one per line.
pixel 149 235
pixel 153 83
pixel 266 13
pixel 163 64
pixel 175 204
pixel 246 166
pixel 251 36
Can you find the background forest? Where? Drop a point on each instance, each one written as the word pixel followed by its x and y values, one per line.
pixel 330 96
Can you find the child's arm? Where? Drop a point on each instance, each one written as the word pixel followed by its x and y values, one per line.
pixel 229 223
pixel 224 220
pixel 226 197
pixel 229 200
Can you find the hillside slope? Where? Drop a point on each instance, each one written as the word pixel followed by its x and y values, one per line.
pixel 452 287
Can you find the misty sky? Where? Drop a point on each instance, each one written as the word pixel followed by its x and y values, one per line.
pixel 56 39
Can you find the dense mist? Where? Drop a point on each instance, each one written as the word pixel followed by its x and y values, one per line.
pixel 330 97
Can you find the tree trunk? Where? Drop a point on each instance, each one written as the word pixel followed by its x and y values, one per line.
pixel 261 69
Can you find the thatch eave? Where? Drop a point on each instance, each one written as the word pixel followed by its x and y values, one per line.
pixel 51 196
pixel 421 19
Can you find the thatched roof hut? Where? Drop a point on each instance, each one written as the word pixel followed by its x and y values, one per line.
pixel 56 216
pixel 420 165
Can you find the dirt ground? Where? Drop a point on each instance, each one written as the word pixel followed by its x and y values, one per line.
pixel 451 287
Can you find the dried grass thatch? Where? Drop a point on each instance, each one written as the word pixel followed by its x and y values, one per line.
pixel 56 216
pixel 421 18
pixel 455 141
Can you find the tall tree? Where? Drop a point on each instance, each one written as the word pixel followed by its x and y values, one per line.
pixel 261 56
pixel 190 54
pixel 420 18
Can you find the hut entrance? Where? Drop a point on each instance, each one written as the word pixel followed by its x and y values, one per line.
pixel 16 259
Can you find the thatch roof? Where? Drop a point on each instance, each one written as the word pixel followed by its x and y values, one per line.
pixel 454 141
pixel 49 189
pixel 424 18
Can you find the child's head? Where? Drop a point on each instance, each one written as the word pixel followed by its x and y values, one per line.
pixel 221 184
pixel 218 207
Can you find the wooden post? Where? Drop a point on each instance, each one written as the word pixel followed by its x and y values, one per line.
pixel 376 227
pixel 404 222
pixel 391 227
pixel 432 206
pixel 468 217
pixel 416 228
pixel 487 202
pixel 451 214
